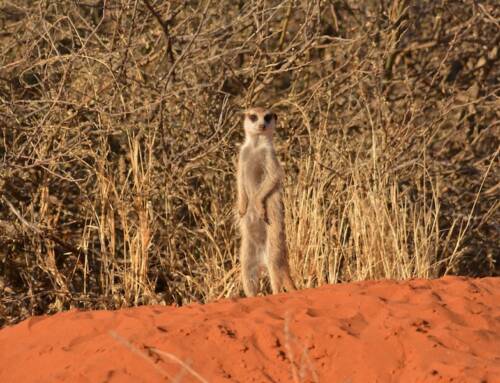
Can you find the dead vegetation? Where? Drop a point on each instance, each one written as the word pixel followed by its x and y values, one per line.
pixel 120 120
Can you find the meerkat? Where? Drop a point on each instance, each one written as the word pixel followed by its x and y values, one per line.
pixel 260 205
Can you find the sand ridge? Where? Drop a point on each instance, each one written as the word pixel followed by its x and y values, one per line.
pixel 378 331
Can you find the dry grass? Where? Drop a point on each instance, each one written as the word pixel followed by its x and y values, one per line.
pixel 120 125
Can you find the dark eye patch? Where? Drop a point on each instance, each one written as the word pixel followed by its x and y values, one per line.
pixel 252 117
pixel 268 118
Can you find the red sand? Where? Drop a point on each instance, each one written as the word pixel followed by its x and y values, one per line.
pixel 446 330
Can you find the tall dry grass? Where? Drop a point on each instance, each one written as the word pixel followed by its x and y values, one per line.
pixel 120 126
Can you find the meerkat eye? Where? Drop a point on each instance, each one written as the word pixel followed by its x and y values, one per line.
pixel 253 117
pixel 268 118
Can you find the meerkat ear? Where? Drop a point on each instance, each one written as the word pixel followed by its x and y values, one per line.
pixel 275 116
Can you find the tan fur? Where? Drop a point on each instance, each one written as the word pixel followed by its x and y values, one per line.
pixel 260 206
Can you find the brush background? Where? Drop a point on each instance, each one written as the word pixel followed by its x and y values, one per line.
pixel 120 125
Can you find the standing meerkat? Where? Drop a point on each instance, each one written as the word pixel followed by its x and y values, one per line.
pixel 260 205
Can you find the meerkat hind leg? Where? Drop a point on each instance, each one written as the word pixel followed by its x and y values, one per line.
pixel 287 280
pixel 250 267
pixel 277 266
pixel 279 274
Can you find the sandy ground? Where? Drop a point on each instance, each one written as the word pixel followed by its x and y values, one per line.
pixel 447 330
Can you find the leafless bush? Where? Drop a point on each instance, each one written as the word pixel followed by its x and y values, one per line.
pixel 120 120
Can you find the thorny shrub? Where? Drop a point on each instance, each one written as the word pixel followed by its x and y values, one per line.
pixel 120 124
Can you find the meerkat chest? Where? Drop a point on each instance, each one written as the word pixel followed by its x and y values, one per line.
pixel 254 165
pixel 255 172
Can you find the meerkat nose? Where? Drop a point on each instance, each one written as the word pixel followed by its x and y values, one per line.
pixel 262 126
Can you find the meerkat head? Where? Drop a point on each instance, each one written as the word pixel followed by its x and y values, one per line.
pixel 259 121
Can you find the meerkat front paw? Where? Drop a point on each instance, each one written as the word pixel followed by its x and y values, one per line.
pixel 242 210
pixel 242 204
pixel 260 208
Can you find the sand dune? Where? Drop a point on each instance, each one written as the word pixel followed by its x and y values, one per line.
pixel 446 330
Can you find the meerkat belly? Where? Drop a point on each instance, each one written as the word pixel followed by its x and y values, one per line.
pixel 274 208
pixel 256 229
pixel 255 176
